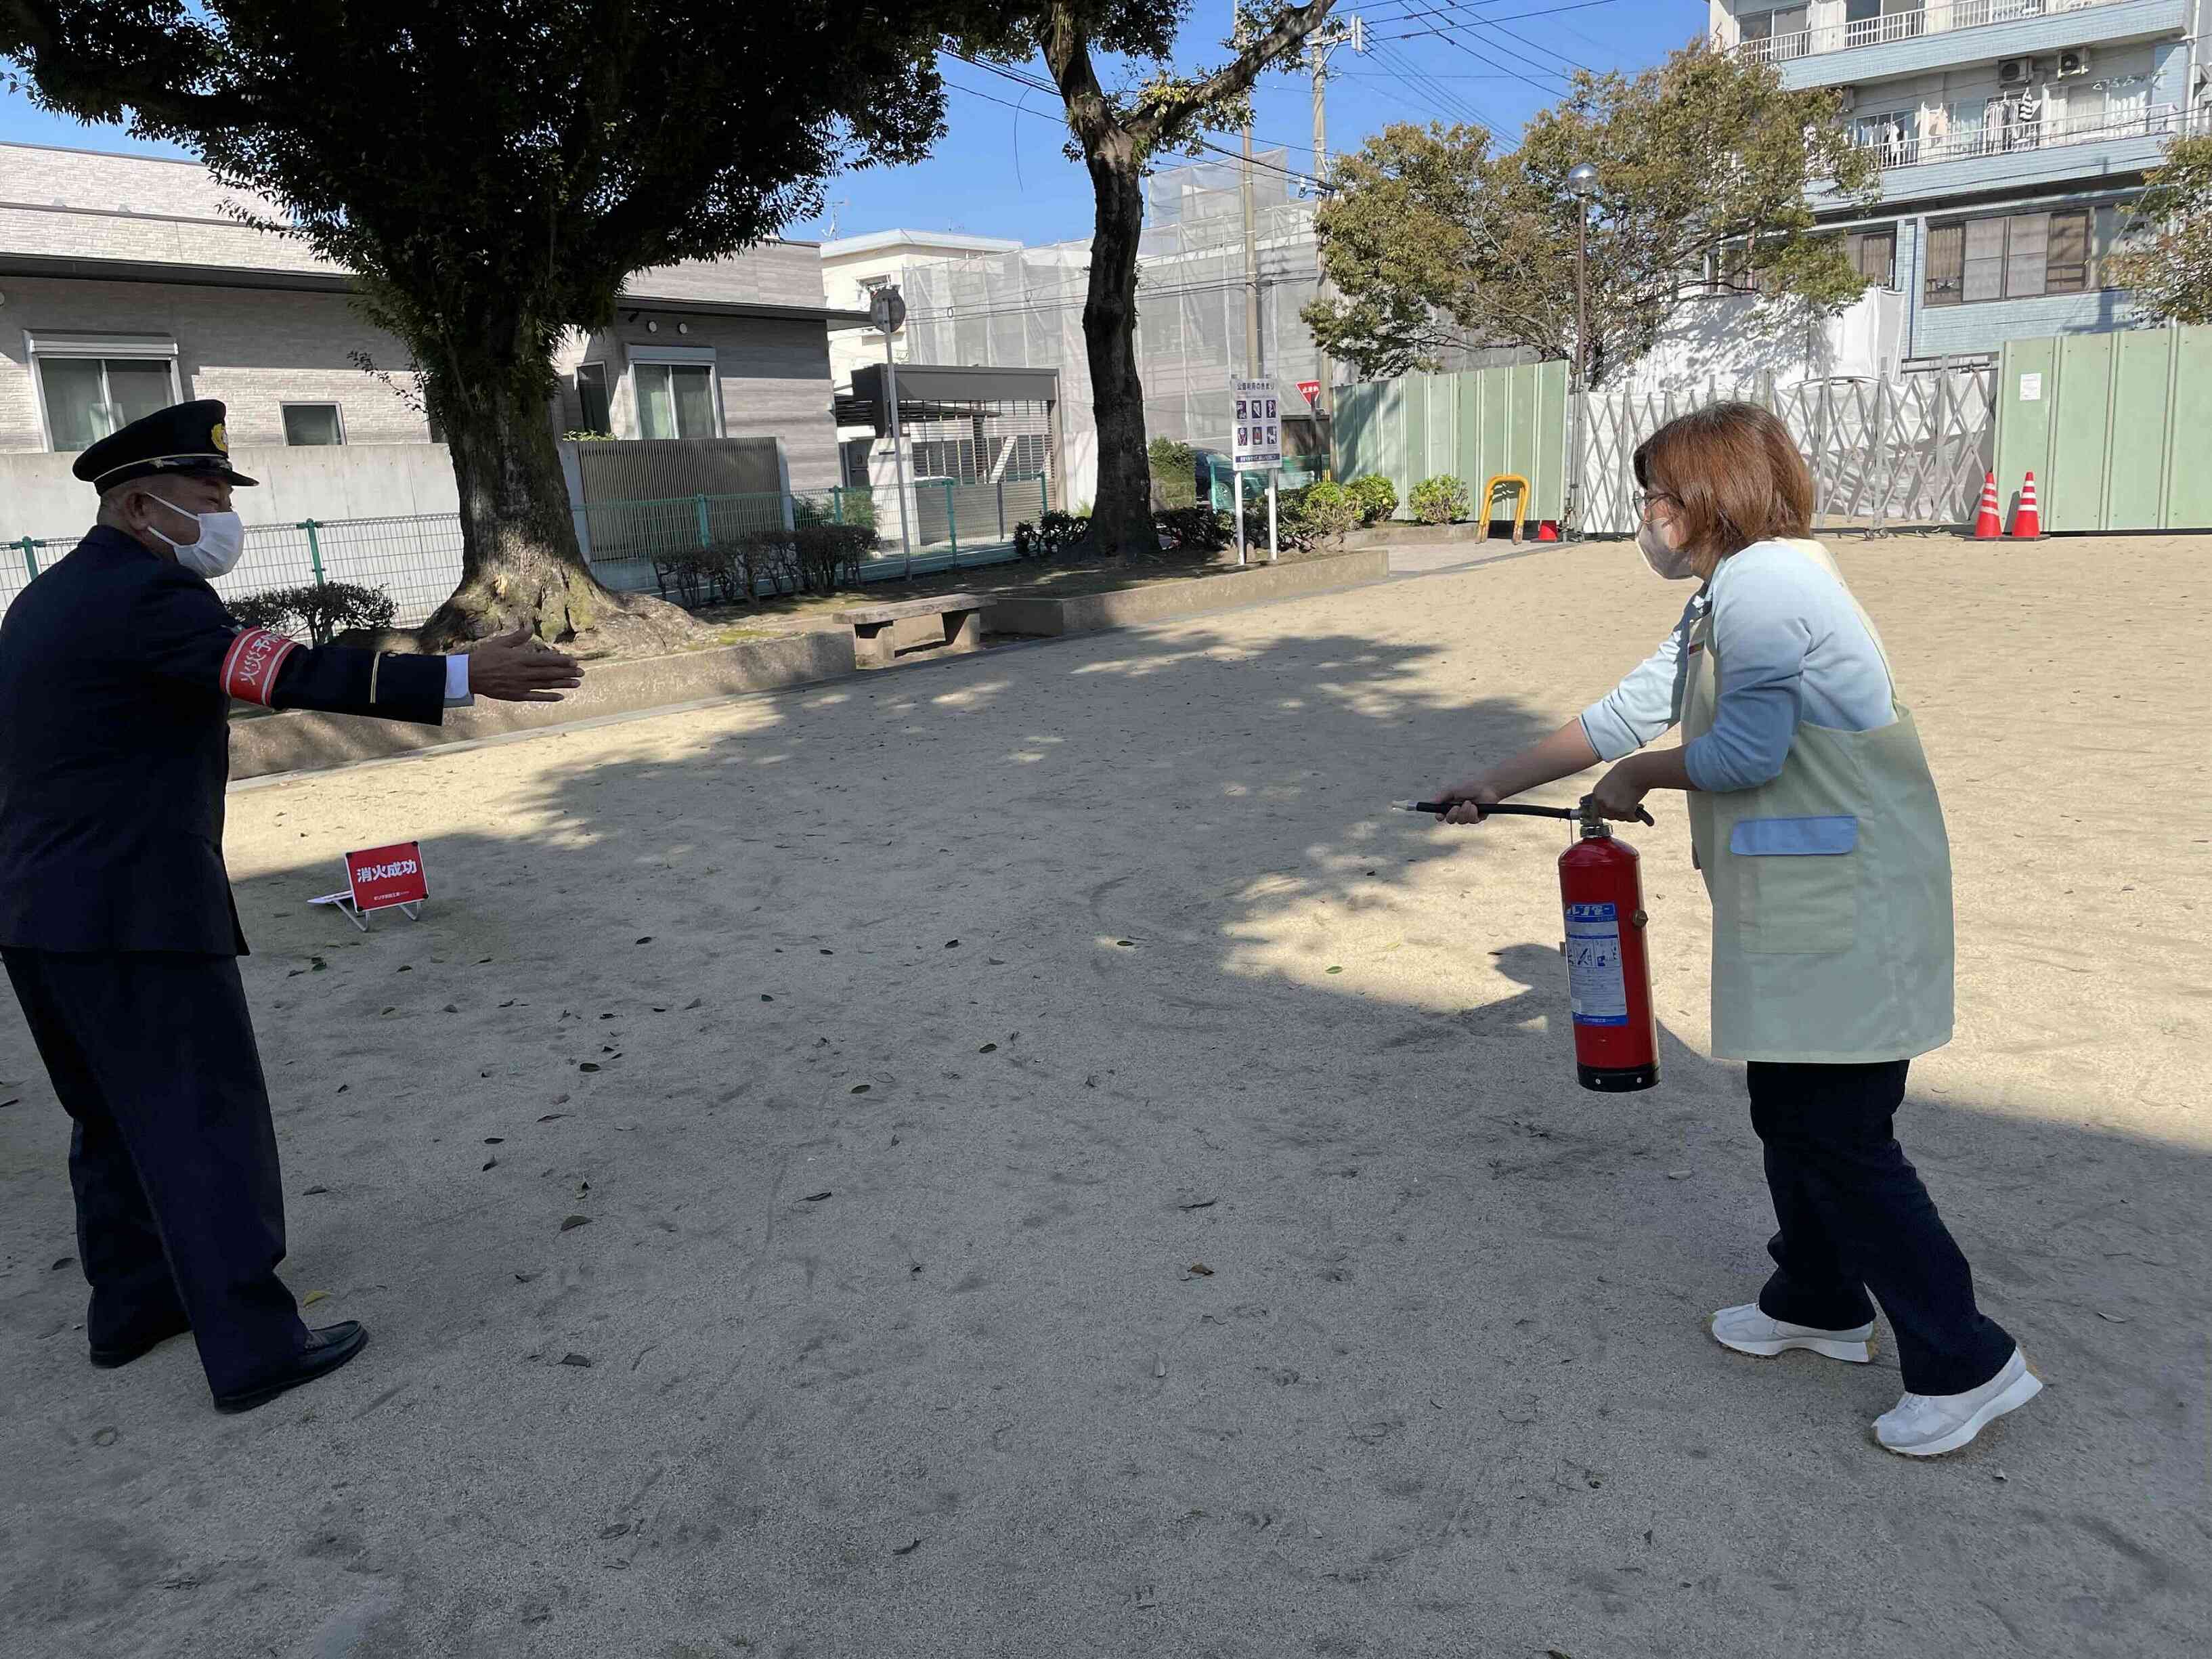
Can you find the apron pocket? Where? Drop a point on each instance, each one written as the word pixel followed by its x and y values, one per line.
pixel 1797 884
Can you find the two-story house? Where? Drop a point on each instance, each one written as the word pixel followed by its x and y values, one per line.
pixel 2011 133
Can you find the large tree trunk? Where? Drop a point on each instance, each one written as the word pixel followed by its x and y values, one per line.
pixel 1122 518
pixel 519 557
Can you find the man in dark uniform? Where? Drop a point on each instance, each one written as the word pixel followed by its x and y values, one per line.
pixel 118 666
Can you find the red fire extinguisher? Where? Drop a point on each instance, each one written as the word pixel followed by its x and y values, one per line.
pixel 1609 970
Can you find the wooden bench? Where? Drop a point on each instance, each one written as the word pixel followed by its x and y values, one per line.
pixel 953 622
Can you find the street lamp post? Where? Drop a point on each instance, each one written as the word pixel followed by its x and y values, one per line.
pixel 1581 184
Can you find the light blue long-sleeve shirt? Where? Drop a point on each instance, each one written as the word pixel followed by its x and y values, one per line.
pixel 1792 647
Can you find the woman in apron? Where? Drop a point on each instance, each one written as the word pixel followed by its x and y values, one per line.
pixel 1816 826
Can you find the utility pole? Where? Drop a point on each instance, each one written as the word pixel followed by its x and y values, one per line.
pixel 1351 31
pixel 1251 230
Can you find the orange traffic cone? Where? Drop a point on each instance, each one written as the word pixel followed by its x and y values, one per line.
pixel 2027 520
pixel 1987 526
pixel 1547 532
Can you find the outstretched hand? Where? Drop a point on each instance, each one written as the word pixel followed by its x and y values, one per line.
pixel 516 667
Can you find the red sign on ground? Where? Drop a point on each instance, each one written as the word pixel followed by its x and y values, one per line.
pixel 382 876
pixel 1312 391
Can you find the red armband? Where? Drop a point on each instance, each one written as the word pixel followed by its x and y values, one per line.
pixel 249 667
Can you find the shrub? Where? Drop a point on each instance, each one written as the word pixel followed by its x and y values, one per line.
pixel 1193 529
pixel 827 556
pixel 1442 500
pixel 1174 474
pixel 1376 496
pixel 1052 535
pixel 324 609
pixel 1328 508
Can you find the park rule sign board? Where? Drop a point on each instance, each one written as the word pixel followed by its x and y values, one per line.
pixel 1257 437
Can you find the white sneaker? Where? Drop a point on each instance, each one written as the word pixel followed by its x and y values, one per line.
pixel 1747 1330
pixel 1929 1424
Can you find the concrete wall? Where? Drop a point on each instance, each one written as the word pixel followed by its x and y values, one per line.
pixel 256 352
pixel 38 496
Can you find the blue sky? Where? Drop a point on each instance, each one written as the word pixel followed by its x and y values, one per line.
pixel 998 171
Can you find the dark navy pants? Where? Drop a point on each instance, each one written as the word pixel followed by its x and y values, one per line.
pixel 174 1158
pixel 1854 1217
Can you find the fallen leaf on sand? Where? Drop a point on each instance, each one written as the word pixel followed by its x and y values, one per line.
pixel 313 1297
pixel 588 1065
pixel 61 1261
pixel 765 997
pixel 2118 1319
pixel 313 1191
pixel 953 944
pixel 648 939
pixel 988 1049
pixel 489 1163
pixel 552 1116
pixel 816 1198
pixel 859 1088
pixel 1335 970
pixel 906 1549
pixel 1678 1175
pixel 570 1223
pixel 494 1140
pixel 1200 1270
pixel 614 1531
pixel 696 1002
pixel 575 1360
pixel 1198 1204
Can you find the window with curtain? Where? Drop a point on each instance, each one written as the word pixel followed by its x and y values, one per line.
pixel 675 400
pixel 88 398
pixel 313 425
pixel 1872 254
pixel 2066 256
pixel 2019 256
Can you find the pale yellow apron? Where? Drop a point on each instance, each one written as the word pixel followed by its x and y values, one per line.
pixel 1831 887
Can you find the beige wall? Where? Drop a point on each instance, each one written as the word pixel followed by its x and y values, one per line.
pixel 256 352
pixel 773 377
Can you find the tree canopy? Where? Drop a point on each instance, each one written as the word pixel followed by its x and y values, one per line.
pixel 493 172
pixel 2170 265
pixel 1436 235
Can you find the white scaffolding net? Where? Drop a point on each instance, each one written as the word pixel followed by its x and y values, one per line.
pixel 1024 309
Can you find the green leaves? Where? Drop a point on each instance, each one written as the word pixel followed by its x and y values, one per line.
pixel 1436 236
pixel 2166 255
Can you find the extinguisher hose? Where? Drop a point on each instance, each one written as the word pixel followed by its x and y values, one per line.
pixel 1510 809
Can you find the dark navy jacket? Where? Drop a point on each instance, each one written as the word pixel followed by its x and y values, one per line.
pixel 117 671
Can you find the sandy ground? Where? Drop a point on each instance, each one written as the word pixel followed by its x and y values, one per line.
pixel 1067 1172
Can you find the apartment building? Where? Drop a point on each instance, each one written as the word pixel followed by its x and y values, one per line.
pixel 2012 134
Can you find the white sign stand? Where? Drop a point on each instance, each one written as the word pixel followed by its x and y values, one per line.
pixel 1257 446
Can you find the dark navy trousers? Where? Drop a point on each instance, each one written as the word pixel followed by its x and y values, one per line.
pixel 1854 1217
pixel 179 1209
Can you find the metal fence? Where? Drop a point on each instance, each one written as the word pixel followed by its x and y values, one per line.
pixel 1911 450
pixel 417 560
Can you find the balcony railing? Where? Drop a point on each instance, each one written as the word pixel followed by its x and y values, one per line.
pixel 1912 149
pixel 1938 19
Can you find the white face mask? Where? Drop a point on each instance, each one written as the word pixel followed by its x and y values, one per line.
pixel 215 550
pixel 1670 564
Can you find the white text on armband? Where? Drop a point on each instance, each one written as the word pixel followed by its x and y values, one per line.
pixel 249 667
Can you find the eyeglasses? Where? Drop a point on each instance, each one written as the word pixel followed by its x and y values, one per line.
pixel 1648 499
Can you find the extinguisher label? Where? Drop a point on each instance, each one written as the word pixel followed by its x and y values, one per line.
pixel 1596 984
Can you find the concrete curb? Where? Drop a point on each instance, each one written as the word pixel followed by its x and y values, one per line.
pixel 1084 613
pixel 307 742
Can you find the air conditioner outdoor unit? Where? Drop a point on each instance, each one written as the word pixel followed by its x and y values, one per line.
pixel 2014 71
pixel 2072 63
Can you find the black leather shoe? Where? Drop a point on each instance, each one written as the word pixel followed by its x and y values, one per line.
pixel 139 1342
pixel 327 1349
